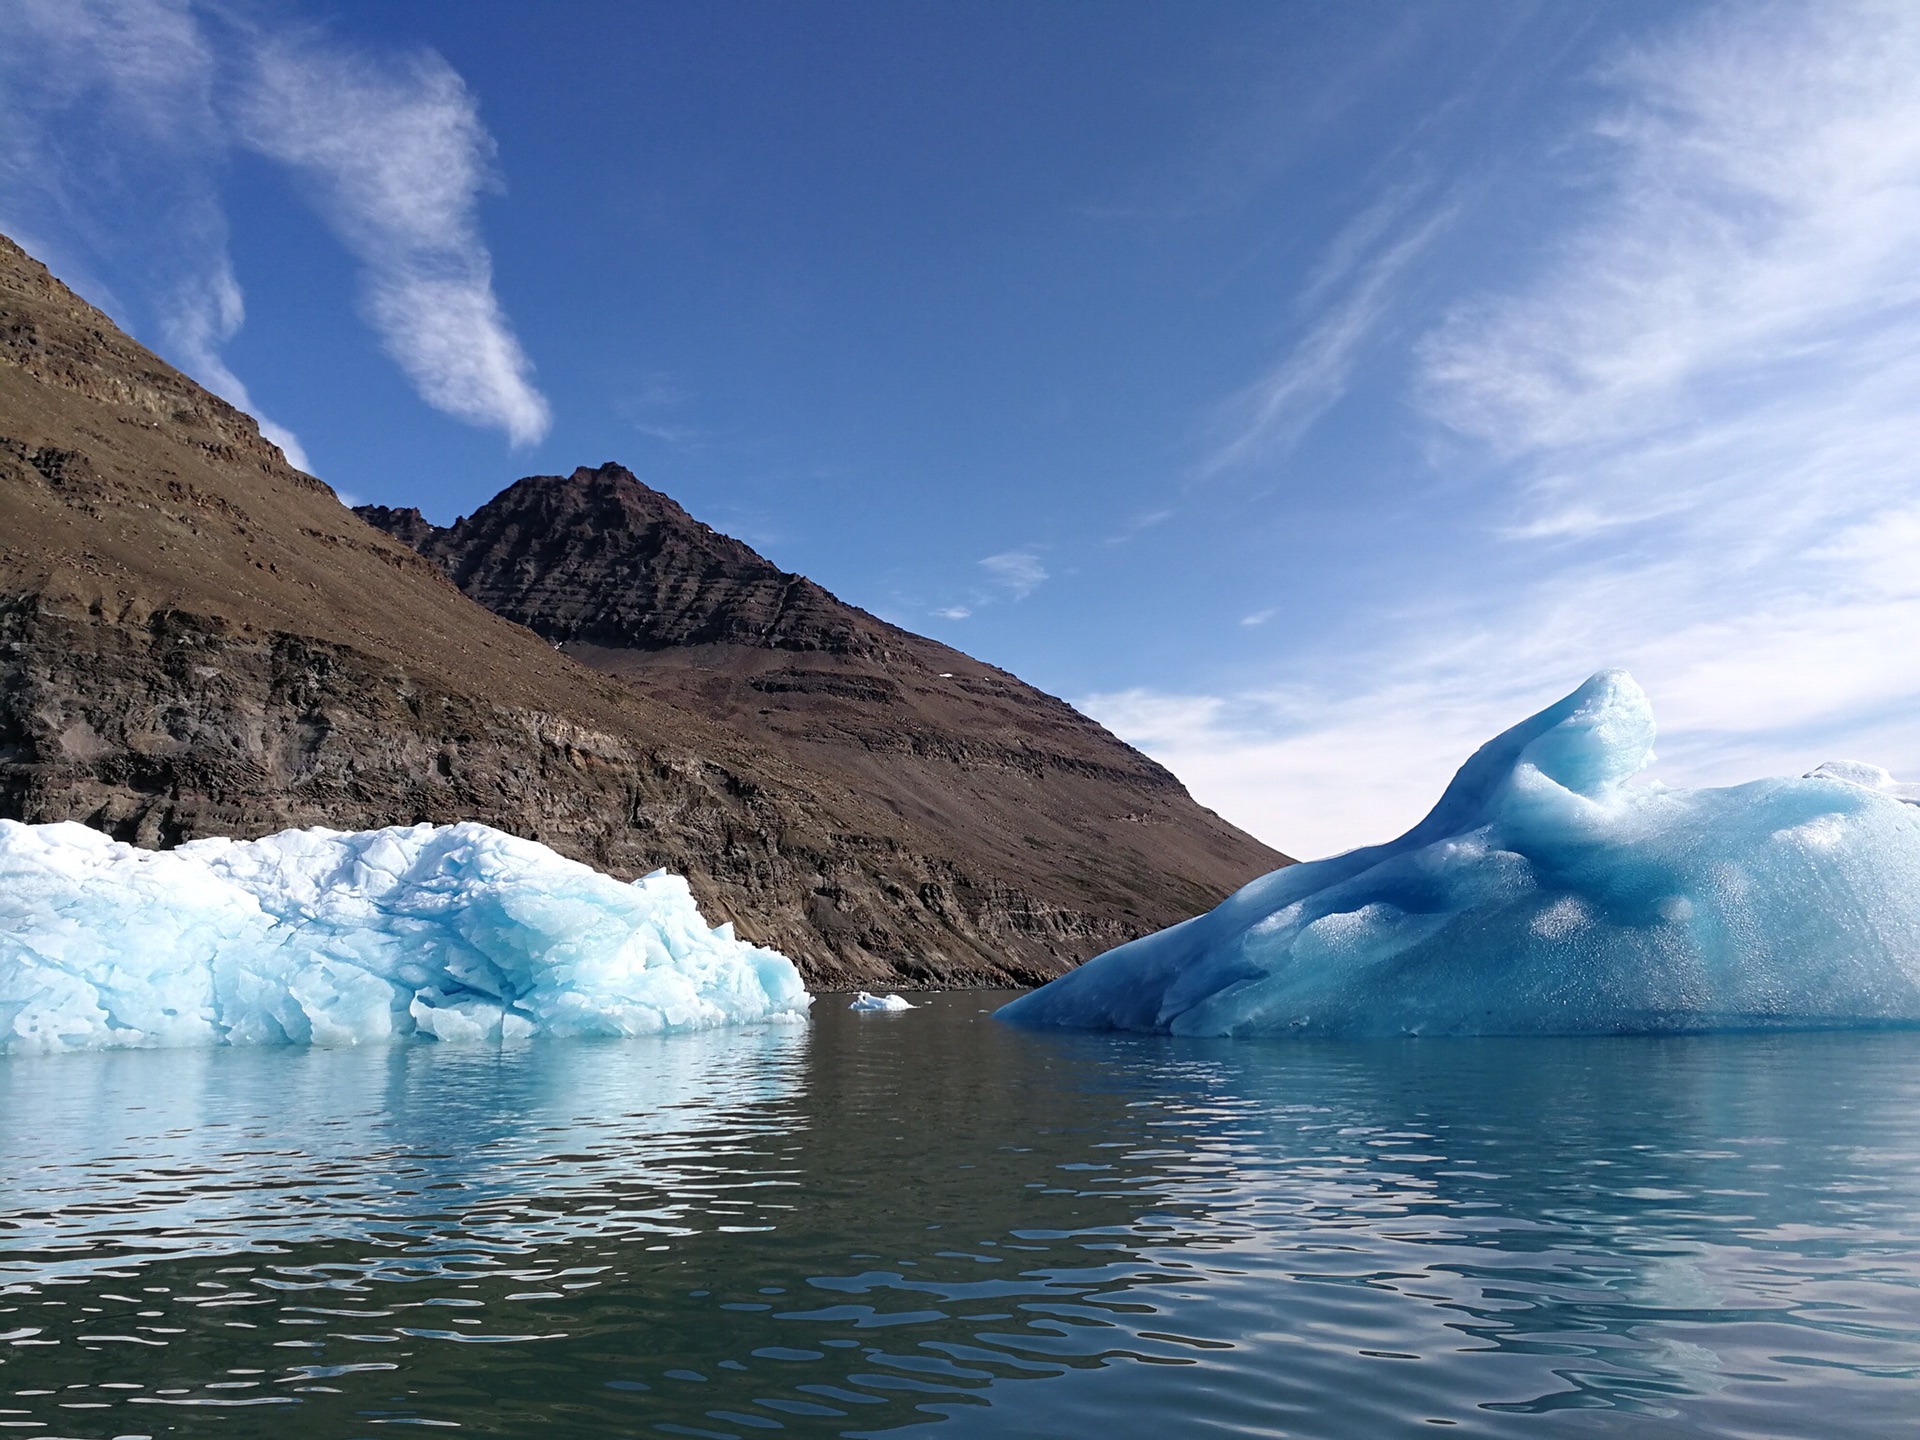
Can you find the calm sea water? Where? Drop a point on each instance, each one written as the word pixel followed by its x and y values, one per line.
pixel 929 1223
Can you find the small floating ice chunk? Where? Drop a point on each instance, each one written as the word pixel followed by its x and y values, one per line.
pixel 1545 895
pixel 456 932
pixel 864 1001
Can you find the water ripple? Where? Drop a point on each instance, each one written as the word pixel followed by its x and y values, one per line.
pixel 858 1229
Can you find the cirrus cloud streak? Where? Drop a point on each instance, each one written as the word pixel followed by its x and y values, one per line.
pixel 117 122
pixel 396 157
pixel 1693 438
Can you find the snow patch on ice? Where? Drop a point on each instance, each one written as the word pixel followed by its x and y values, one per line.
pixel 456 932
pixel 1544 894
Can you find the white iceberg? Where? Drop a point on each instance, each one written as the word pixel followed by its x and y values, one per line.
pixel 1546 895
pixel 864 1001
pixel 321 937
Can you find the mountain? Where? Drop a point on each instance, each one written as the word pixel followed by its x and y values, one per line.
pixel 197 639
pixel 598 559
pixel 923 750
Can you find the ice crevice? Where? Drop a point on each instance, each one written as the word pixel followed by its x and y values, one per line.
pixel 1545 894
pixel 455 932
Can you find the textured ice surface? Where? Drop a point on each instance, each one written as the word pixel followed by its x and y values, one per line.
pixel 1871 776
pixel 1543 894
pixel 317 937
pixel 864 1001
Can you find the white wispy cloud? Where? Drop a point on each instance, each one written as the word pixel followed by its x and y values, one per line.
pixel 145 59
pixel 115 130
pixel 1758 207
pixel 1140 524
pixel 1698 429
pixel 653 407
pixel 1017 573
pixel 397 158
pixel 1344 303
pixel 198 316
pixel 1012 575
pixel 1710 397
pixel 108 109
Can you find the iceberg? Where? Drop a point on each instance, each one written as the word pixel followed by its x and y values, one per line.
pixel 864 1001
pixel 1544 894
pixel 455 932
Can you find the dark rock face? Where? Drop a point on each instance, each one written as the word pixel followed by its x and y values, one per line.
pixel 197 639
pixel 407 525
pixel 601 559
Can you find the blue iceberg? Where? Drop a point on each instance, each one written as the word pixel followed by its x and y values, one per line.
pixel 1546 895
pixel 453 932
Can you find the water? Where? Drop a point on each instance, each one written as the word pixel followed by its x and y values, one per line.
pixel 927 1222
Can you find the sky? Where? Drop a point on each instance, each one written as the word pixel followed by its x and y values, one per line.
pixel 1306 391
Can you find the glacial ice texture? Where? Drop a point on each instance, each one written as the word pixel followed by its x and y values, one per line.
pixel 1545 895
pixel 453 932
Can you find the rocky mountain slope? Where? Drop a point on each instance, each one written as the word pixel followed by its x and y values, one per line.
pixel 935 753
pixel 196 639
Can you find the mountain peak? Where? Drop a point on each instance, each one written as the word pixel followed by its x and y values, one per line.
pixel 600 558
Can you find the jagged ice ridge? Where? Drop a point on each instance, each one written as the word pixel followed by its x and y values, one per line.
pixel 1545 895
pixel 452 932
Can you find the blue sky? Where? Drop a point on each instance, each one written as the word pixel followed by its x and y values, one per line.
pixel 1306 391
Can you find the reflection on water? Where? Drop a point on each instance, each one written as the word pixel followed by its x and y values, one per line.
pixel 929 1221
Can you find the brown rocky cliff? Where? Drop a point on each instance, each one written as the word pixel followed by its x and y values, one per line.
pixel 196 639
pixel 942 752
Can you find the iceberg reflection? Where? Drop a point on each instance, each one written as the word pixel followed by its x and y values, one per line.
pixel 120 1158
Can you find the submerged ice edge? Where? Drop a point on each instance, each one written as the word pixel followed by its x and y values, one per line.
pixel 455 932
pixel 1543 894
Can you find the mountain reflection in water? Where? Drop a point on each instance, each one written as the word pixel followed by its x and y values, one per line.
pixel 930 1220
